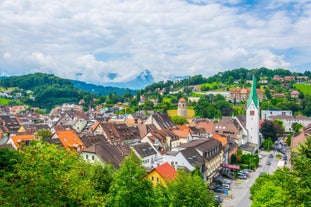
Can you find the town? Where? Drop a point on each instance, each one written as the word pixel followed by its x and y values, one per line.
pixel 229 152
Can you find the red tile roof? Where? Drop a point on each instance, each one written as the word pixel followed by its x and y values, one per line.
pixel 166 171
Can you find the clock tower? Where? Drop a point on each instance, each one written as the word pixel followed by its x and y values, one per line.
pixel 252 115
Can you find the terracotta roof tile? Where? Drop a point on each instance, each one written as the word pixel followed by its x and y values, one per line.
pixel 166 171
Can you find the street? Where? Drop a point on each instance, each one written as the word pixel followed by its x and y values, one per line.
pixel 240 191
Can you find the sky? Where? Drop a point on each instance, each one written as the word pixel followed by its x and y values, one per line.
pixel 100 41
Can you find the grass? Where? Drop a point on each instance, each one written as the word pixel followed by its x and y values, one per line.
pixel 4 101
pixel 304 88
pixel 190 113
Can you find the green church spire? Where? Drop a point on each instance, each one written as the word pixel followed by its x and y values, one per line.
pixel 253 94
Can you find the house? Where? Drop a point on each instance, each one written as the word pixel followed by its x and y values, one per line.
pixel 160 120
pixel 294 94
pixel 273 112
pixel 162 174
pixel 241 94
pixel 104 153
pixel 205 153
pixel 32 128
pixel 69 140
pixel 288 121
pixel 150 157
pixel 225 147
pixel 233 127
pixel 10 122
pixel 17 141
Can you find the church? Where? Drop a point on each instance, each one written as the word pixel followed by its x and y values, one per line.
pixel 252 120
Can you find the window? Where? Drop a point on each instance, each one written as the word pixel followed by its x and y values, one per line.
pixel 252 113
pixel 92 157
pixel 87 157
pixel 152 178
pixel 157 180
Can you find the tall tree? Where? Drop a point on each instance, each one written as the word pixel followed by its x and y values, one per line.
pixel 45 176
pixel 128 187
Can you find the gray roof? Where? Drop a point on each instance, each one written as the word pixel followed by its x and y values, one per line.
pixel 144 149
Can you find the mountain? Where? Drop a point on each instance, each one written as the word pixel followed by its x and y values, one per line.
pixel 144 79
pixel 101 90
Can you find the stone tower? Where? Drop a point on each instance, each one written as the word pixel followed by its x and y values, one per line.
pixel 182 108
pixel 252 116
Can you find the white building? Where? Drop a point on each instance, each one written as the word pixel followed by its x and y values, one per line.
pixel 266 113
pixel 252 116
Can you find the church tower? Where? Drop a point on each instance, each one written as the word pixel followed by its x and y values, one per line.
pixel 252 116
pixel 182 108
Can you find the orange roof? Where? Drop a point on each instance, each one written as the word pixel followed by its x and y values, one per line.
pixel 181 133
pixel 166 171
pixel 220 138
pixel 70 139
pixel 22 138
pixel 182 100
pixel 208 126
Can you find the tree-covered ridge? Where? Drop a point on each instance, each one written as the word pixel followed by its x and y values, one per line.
pixel 101 90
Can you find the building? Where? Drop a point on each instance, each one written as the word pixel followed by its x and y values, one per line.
pixel 252 116
pixel 162 174
pixel 182 108
pixel 272 112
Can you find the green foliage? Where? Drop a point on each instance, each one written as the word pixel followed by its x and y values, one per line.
pixel 128 187
pixel 8 159
pixel 271 130
pixel 179 120
pixel 47 175
pixel 286 187
pixel 297 127
pixel 43 134
pixel 267 144
pixel 186 190
pixel 304 88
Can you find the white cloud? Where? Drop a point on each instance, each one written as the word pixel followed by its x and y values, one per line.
pixel 166 37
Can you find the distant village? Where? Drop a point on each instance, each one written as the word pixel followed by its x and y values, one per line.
pixel 100 135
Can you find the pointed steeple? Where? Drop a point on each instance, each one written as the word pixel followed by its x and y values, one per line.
pixel 253 94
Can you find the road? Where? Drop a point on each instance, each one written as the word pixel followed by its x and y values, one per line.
pixel 240 191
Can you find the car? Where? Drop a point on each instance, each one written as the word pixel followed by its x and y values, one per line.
pixel 218 198
pixel 227 186
pixel 268 163
pixel 219 190
pixel 260 174
pixel 271 156
pixel 243 177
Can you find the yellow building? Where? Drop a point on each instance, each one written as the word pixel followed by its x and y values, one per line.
pixel 161 174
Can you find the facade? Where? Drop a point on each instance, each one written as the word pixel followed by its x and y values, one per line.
pixel 182 108
pixel 266 113
pixel 162 174
pixel 252 116
pixel 288 121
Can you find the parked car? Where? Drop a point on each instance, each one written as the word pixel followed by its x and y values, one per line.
pixel 271 156
pixel 219 190
pixel 243 177
pixel 260 174
pixel 218 198
pixel 268 163
pixel 227 186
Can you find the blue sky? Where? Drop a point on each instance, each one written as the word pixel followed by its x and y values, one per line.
pixel 90 40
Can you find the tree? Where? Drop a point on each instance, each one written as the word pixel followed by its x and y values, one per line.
pixel 47 175
pixel 296 127
pixel 183 186
pixel 179 120
pixel 271 130
pixel 43 134
pixel 267 144
pixel 128 187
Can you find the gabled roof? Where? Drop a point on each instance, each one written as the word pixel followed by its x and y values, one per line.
pixel 108 153
pixel 166 171
pixel 21 138
pixel 253 95
pixel 144 149
pixel 70 139
pixel 220 138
